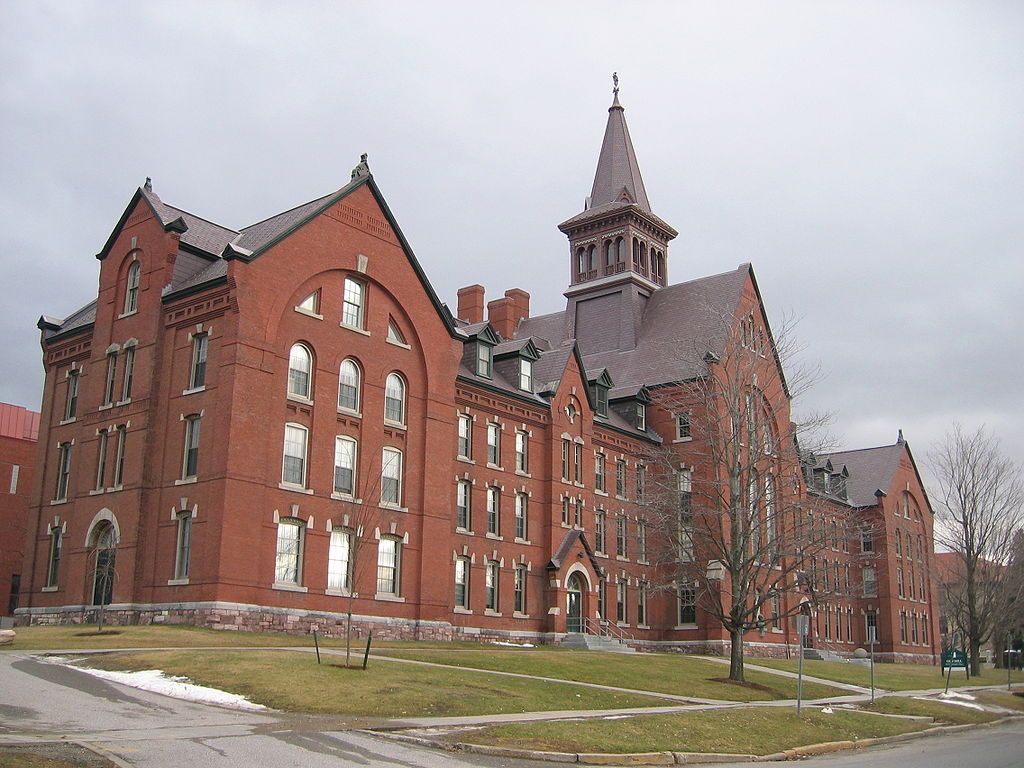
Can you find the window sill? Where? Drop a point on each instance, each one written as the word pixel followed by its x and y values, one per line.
pixel 489 612
pixel 299 399
pixel 55 502
pixel 127 314
pixel 495 466
pixel 394 424
pixel 599 553
pixel 295 488
pixel 622 559
pixel 340 593
pixel 194 390
pixel 622 625
pixel 177 582
pixel 599 492
pixel 518 615
pixel 643 626
pixel 494 536
pixel 685 626
pixel 643 562
pixel 565 525
pixel 465 459
pixel 115 488
pixel 354 329
pixel 775 631
pixel 285 587
pixel 105 407
pixel 338 496
pixel 97 491
pixel 683 440
pixel 386 597
pixel 464 531
pixel 578 484
pixel 350 412
pixel 393 507
pixel 72 420
pixel 463 611
pixel 527 542
pixel 620 497
pixel 49 589
pixel 397 343
pixel 308 313
pixel 521 473
pixel 124 402
pixel 186 481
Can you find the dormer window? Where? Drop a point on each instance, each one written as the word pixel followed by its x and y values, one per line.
pixel 599 394
pixel 641 417
pixel 484 359
pixel 526 374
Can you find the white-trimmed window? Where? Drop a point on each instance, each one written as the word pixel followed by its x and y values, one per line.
pixel 197 371
pixel 620 536
pixel 577 469
pixel 311 304
pixel 493 444
pixel 599 464
pixel 522 519
pixel 599 530
pixel 288 559
pixel 394 399
pixel 122 445
pixel 641 603
pixel 641 541
pixel 641 482
pixel 620 478
pixel 463 504
pixel 578 512
pixel 484 359
pixel 462 582
pixel 108 384
pixel 491 585
pixel 687 594
pixel 300 372
pixel 345 466
pixel 71 403
pixel 190 459
pixel 683 426
pixel 520 589
pixel 389 561
pixel 15 473
pixel 63 471
pixel 465 447
pixel 184 545
pixel 293 467
pixel 565 510
pixel 869 582
pixel 349 378
pixel 101 460
pixel 129 374
pixel 339 561
pixel 526 374
pixel 620 601
pixel 684 482
pixel 391 477
pixel 53 566
pixel 352 310
pixel 641 417
pixel 493 510
pixel 131 292
pixel 522 452
pixel 395 335
pixel 566 448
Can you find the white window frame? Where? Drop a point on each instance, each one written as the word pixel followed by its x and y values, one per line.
pixel 484 360
pixel 462 572
pixel 197 366
pixel 346 457
pixel 63 471
pixel 353 308
pixel 295 430
pixel 493 444
pixel 493 510
pixel 131 290
pixel 101 460
pixel 389 575
pixel 53 562
pixel 526 374
pixel 522 452
pixel 285 560
pixel 394 385
pixel 492 581
pixel 464 446
pixel 306 392
pixel 339 560
pixel 357 387
pixel 183 545
pixel 391 471
pixel 519 589
pixel 129 374
pixel 464 505
pixel 522 517
pixel 111 379
pixel 71 402
pixel 193 432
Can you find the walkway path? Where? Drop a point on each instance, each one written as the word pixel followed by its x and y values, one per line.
pixel 792 675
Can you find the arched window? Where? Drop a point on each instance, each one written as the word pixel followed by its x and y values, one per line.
pixel 609 253
pixel 636 254
pixel 349 378
pixel 620 251
pixel 643 259
pixel 103 546
pixel 592 258
pixel 131 293
pixel 300 371
pixel 394 399
pixel 581 262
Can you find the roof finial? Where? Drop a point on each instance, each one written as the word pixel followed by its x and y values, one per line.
pixel 615 83
pixel 361 170
pixel 149 184
pixel 900 439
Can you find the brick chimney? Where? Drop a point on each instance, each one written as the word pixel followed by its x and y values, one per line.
pixel 505 313
pixel 471 304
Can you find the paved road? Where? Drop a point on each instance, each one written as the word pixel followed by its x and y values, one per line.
pixel 44 702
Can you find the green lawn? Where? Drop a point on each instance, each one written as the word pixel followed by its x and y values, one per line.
pixel 893 677
pixel 754 731
pixel 1002 698
pixel 294 682
pixel 663 673
pixel 943 712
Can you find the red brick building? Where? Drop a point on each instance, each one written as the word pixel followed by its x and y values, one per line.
pixel 19 431
pixel 262 427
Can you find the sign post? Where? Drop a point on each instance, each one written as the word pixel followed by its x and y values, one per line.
pixel 801 631
pixel 872 637
pixel 954 658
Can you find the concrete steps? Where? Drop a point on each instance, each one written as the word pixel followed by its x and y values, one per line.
pixel 583 642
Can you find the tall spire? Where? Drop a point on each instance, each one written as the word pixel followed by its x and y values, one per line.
pixel 618 172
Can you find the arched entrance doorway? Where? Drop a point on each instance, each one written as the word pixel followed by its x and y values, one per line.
pixel 103 556
pixel 574 591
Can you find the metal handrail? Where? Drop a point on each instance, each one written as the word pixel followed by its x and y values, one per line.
pixel 605 628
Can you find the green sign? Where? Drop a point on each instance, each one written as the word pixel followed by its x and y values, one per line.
pixel 954 659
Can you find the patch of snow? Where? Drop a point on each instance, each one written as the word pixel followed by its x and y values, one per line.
pixel 955 699
pixel 826 711
pixel 155 681
pixel 957 695
pixel 616 717
pixel 513 645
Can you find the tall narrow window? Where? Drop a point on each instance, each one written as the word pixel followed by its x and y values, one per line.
pixel 462 582
pixel 641 482
pixel 493 510
pixel 599 393
pixel 101 460
pixel 463 505
pixel 493 444
pixel 293 468
pixel 300 372
pixel 197 372
pixel 345 466
pixel 620 478
pixel 602 598
pixel 521 516
pixel 522 452
pixel 190 460
pixel 63 471
pixel 389 560
pixel 129 374
pixel 491 585
pixel 352 313
pixel 348 386
pixel 391 477
pixel 620 602
pixel 465 447
pixel 641 603
pixel 682 426
pixel 641 541
pixel 526 374
pixel 599 526
pixel 484 359
pixel 565 458
pixel 641 417
pixel 131 293
pixel 108 385
pixel 53 569
pixel 871 626
pixel 71 404
pixel 565 510
pixel 687 603
pixel 520 589
pixel 867 576
pixel 867 543
pixel 620 536
pixel 577 468
pixel 288 560
pixel 394 399
pixel 339 560
pixel 684 543
pixel 15 472
pixel 184 546
pixel 899 580
pixel 578 514
pixel 599 472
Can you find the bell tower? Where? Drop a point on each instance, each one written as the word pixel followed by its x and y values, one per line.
pixel 618 248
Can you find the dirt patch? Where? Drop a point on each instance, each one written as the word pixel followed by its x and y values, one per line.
pixel 358 667
pixel 94 633
pixel 51 756
pixel 748 686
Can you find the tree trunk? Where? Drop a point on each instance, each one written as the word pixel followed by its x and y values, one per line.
pixel 348 637
pixel 975 656
pixel 736 655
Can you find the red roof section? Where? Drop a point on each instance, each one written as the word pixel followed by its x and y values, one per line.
pixel 19 423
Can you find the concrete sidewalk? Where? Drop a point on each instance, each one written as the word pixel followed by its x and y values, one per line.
pixel 792 675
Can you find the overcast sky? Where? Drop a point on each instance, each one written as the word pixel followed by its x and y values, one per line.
pixel 867 158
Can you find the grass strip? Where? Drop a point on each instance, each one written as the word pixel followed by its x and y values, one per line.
pixel 892 677
pixel 295 682
pixel 943 712
pixel 755 731
pixel 663 673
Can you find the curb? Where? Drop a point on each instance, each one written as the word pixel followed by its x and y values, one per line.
pixel 688 758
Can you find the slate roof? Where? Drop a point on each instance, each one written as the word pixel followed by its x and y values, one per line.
pixel 870 469
pixel 263 232
pixel 617 166
pixel 202 234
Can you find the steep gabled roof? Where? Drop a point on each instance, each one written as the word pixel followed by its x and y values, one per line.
pixel 871 469
pixel 618 179
pixel 569 541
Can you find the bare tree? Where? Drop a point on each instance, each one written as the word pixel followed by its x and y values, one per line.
pixel 980 502
pixel 733 523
